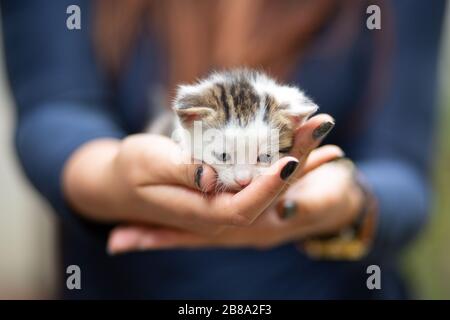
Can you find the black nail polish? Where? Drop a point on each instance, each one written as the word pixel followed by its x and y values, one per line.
pixel 289 209
pixel 322 130
pixel 288 169
pixel 198 176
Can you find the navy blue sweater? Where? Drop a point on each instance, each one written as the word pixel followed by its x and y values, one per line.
pixel 64 99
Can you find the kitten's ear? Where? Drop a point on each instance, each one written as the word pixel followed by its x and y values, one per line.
pixel 190 114
pixel 299 111
pixel 295 104
pixel 190 105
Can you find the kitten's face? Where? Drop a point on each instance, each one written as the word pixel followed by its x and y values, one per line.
pixel 240 154
pixel 240 123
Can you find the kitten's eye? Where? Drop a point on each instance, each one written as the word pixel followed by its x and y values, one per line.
pixel 285 150
pixel 264 158
pixel 224 157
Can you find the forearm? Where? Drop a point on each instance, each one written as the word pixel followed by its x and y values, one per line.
pixel 89 184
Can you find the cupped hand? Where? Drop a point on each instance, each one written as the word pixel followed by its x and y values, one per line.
pixel 144 180
pixel 325 199
pixel 269 229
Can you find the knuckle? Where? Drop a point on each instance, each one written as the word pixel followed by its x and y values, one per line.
pixel 129 145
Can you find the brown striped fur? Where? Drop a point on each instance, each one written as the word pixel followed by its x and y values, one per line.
pixel 231 97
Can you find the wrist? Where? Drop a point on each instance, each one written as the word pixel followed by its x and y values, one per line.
pixel 365 222
pixel 357 199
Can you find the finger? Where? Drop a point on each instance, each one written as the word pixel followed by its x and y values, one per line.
pixel 301 201
pixel 321 155
pixel 170 165
pixel 122 239
pixel 310 134
pixel 241 208
pixel 199 177
pixel 137 238
pixel 307 137
pixel 190 208
pixel 173 239
pixel 315 194
pixel 181 207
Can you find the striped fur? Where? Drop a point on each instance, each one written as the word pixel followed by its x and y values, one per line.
pixel 239 97
pixel 241 100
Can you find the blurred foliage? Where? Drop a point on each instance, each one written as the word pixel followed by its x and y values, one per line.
pixel 427 261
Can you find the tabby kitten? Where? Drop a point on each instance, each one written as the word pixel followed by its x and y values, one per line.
pixel 239 122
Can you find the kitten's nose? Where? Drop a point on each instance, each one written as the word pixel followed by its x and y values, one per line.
pixel 242 175
pixel 243 181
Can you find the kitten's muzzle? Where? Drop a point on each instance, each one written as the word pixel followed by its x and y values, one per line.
pixel 243 182
pixel 243 176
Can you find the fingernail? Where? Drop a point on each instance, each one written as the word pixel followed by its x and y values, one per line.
pixel 289 209
pixel 322 130
pixel 288 169
pixel 198 176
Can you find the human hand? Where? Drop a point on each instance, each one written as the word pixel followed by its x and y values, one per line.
pixel 143 179
pixel 268 230
pixel 326 199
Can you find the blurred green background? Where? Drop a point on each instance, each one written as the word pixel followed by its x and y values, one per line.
pixel 427 261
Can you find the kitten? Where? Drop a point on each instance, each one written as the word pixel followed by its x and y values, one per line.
pixel 239 122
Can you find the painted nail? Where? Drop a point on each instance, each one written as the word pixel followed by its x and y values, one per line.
pixel 198 176
pixel 322 130
pixel 288 169
pixel 289 209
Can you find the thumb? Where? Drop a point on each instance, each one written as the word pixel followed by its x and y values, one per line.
pixel 170 165
pixel 195 176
